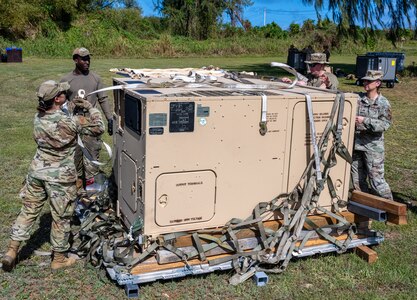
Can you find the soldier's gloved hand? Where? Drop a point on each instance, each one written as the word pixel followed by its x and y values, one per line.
pixel 81 102
pixel 110 127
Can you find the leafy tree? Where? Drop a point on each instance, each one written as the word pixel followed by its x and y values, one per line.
pixel 273 30
pixel 23 18
pixel 308 26
pixel 294 29
pixel 193 18
pixel 130 4
pixel 370 13
pixel 234 8
pixel 19 18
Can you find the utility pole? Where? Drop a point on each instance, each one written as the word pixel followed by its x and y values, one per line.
pixel 264 16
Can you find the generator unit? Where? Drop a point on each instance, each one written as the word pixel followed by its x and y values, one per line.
pixel 400 57
pixel 296 59
pixel 192 156
pixel 373 62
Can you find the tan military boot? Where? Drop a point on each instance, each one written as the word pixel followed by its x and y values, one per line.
pixel 60 260
pixel 9 259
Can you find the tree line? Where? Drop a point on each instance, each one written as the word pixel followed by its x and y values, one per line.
pixel 201 19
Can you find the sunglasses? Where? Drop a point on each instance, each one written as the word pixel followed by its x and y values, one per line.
pixel 313 65
pixel 85 58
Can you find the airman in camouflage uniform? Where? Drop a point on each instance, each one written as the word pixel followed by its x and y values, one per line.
pixel 373 118
pixel 52 172
pixel 317 77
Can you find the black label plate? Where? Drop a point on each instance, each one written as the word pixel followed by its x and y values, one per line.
pixel 156 130
pixel 181 116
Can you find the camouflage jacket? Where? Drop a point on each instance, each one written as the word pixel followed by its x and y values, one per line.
pixel 370 134
pixel 55 133
pixel 316 82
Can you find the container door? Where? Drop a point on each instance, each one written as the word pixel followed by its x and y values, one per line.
pixel 128 185
pixel 185 197
pixel 302 149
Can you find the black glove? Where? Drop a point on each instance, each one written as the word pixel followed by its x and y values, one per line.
pixel 110 127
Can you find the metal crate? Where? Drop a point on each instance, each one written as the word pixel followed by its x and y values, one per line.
pixel 385 64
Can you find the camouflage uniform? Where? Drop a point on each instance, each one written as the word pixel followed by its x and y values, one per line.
pixel 320 58
pixel 368 154
pixel 89 83
pixel 52 174
pixel 316 82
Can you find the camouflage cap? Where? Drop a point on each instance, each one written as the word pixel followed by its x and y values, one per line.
pixel 317 58
pixel 81 52
pixel 49 89
pixel 372 75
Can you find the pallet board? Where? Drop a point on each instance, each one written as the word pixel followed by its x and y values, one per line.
pixel 390 206
pixel 367 254
pixel 319 220
pixel 396 212
pixel 152 265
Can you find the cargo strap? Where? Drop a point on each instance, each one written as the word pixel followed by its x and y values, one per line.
pixel 262 124
pixel 278 247
pixel 290 70
pixel 88 155
pixel 109 243
pixel 313 137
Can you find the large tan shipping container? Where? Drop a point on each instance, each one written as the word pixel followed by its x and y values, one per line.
pixel 188 158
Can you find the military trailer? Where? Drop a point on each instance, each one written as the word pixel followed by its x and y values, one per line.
pixel 385 63
pixel 400 58
pixel 296 59
pixel 221 173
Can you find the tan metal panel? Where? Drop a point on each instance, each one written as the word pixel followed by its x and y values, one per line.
pixel 249 166
pixel 224 137
pixel 185 197
pixel 302 149
pixel 128 184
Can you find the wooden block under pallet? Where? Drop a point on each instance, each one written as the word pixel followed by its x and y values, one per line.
pixel 367 254
pixel 390 206
pixel 397 220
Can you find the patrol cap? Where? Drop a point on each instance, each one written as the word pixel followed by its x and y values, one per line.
pixel 49 89
pixel 317 58
pixel 81 52
pixel 372 75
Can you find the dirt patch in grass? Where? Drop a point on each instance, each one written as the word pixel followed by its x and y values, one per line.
pixel 392 235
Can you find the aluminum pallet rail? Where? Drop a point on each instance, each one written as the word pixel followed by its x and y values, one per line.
pixel 131 281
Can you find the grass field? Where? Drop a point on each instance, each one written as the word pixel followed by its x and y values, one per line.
pixel 393 276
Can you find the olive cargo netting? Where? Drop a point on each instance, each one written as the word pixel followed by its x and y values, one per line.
pixel 104 241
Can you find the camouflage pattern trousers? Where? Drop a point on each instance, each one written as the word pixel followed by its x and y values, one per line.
pixel 86 169
pixel 368 166
pixel 62 202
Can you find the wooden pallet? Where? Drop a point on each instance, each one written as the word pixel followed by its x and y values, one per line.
pixel 152 264
pixel 396 214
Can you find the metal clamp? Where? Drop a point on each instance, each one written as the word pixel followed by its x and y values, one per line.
pixel 132 290
pixel 262 124
pixel 81 93
pixel 260 278
pixel 262 128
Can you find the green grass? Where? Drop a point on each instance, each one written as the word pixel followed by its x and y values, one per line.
pixel 393 276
